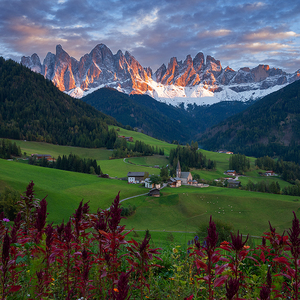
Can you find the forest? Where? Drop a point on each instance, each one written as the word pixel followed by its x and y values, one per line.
pixel 189 157
pixel 33 109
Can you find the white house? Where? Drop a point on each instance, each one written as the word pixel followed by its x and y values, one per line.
pixel 136 177
pixel 150 185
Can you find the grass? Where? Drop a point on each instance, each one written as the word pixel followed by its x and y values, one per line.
pixel 117 168
pixel 146 139
pixel 55 150
pixel 179 211
pixel 149 161
pixel 186 208
pixel 65 189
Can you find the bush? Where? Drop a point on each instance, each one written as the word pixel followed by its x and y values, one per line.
pixel 9 202
pixel 223 228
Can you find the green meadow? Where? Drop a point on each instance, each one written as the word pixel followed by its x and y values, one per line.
pixel 184 209
pixel 64 190
pixel 146 139
pixel 172 218
pixel 56 150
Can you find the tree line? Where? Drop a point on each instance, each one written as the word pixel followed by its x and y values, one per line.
pixel 9 149
pixel 124 149
pixel 289 171
pixel 239 163
pixel 189 157
pixel 69 163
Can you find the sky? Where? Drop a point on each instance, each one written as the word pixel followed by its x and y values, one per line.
pixel 238 33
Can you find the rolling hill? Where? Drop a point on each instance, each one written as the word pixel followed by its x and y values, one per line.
pixel 271 127
pixel 32 108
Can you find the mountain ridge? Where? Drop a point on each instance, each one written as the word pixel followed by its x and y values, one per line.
pixel 271 126
pixel 196 80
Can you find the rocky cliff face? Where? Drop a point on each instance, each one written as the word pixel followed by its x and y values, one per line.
pixel 190 79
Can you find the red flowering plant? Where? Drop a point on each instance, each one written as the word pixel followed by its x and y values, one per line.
pixel 140 259
pixel 208 260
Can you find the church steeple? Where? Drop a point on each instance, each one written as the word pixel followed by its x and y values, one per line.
pixel 178 170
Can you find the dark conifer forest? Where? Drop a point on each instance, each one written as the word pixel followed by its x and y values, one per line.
pixel 33 109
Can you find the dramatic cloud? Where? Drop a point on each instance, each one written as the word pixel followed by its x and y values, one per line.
pixel 238 33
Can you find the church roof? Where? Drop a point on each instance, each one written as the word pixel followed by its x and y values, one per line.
pixel 178 166
pixel 185 174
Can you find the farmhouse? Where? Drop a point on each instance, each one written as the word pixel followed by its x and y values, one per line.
pixel 154 193
pixel 269 173
pixel 231 172
pixel 127 138
pixel 136 177
pixel 174 182
pixel 41 156
pixel 150 185
pixel 184 176
pixel 233 183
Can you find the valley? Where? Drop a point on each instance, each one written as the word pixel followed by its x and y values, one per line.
pixel 179 211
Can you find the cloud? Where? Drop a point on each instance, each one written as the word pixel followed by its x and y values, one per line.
pixel 153 31
pixel 270 34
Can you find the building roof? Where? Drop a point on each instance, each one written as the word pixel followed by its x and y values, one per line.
pixel 230 171
pixel 174 179
pixel 136 174
pixel 233 181
pixel 185 174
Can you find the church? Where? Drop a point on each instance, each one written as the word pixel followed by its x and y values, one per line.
pixel 185 177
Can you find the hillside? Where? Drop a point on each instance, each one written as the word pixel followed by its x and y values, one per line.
pixel 271 127
pixel 161 120
pixel 32 108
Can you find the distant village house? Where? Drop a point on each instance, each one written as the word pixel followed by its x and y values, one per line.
pixel 154 193
pixel 150 185
pixel 269 173
pixel 41 156
pixel 174 182
pixel 136 177
pixel 225 151
pixel 127 138
pixel 231 172
pixel 233 183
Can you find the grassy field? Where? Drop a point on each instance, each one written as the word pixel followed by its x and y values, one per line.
pixel 118 168
pixel 172 218
pixel 180 210
pixel 151 161
pixel 65 189
pixel 55 150
pixel 146 139
pixel 185 208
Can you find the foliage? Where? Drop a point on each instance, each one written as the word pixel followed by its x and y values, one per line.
pixel 164 174
pixel 8 202
pixel 223 229
pixel 261 129
pixel 239 163
pixel 264 187
pixel 71 163
pixel 33 109
pixel 155 179
pixel 90 257
pixel 9 149
pixel 139 148
pixel 289 171
pixel 128 211
pixel 189 157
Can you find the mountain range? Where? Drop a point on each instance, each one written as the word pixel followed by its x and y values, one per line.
pixel 196 80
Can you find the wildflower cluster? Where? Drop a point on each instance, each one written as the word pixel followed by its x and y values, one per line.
pixel 87 257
